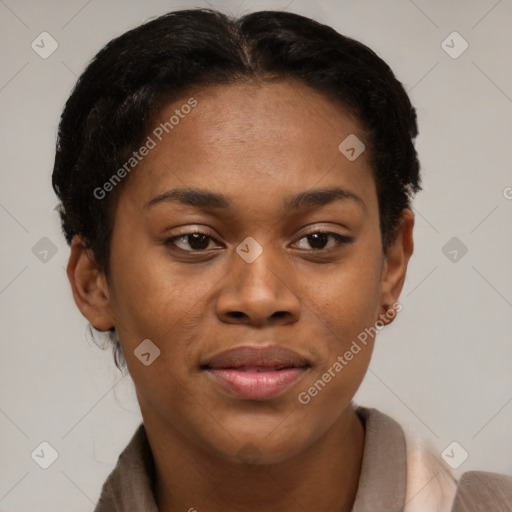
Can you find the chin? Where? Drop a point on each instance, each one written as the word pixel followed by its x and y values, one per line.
pixel 262 448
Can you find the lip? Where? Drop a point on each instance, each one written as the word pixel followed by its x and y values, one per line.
pixel 255 372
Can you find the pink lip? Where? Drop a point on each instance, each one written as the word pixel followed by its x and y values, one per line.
pixel 257 385
pixel 256 372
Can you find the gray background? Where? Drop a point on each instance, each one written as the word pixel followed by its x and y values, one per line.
pixel 442 368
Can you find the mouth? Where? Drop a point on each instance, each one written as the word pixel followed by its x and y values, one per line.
pixel 256 373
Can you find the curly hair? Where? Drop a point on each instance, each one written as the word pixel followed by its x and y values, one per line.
pixel 129 81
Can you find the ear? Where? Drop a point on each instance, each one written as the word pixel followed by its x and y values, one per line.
pixel 395 264
pixel 89 286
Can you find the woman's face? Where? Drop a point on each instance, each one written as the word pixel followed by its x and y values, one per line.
pixel 254 278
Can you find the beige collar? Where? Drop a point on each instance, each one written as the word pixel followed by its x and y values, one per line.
pixel 382 483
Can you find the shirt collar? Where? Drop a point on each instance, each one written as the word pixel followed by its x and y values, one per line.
pixel 382 482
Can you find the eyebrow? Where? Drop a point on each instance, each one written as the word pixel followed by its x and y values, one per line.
pixel 207 200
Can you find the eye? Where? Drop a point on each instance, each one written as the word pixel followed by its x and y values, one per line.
pixel 318 239
pixel 196 240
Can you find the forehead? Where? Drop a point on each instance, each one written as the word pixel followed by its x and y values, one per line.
pixel 249 136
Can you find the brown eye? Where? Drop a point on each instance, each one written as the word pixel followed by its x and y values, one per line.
pixel 319 239
pixel 196 241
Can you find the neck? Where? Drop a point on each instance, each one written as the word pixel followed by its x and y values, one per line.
pixel 324 476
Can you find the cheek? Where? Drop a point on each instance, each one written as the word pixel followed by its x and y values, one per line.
pixel 347 299
pixel 344 317
pixel 148 297
pixel 346 308
pixel 148 286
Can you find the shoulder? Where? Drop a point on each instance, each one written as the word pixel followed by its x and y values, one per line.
pixel 483 491
pixel 432 486
pixel 130 484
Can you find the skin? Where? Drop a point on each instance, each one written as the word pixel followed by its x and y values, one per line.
pixel 257 144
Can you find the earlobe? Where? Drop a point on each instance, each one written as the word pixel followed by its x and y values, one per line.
pixel 89 286
pixel 395 263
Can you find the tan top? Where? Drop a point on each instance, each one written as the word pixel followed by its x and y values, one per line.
pixel 396 476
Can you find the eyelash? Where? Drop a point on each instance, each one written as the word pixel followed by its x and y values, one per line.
pixel 341 240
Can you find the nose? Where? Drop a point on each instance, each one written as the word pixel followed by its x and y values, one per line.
pixel 259 293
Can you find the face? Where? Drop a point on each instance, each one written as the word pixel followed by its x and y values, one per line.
pixel 286 255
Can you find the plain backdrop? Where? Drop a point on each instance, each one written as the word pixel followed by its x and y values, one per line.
pixel 443 368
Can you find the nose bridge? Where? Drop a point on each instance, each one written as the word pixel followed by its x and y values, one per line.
pixel 255 268
pixel 256 286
